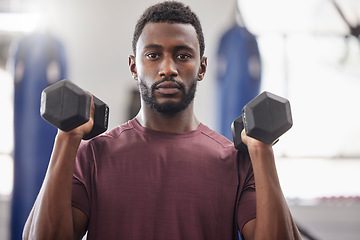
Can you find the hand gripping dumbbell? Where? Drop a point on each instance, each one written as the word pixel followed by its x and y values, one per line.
pixel 264 118
pixel 66 106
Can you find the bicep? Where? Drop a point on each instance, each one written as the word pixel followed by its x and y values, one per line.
pixel 80 221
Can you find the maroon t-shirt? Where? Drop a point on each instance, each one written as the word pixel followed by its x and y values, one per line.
pixel 136 183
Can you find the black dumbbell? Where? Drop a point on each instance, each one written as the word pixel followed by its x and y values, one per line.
pixel 67 106
pixel 264 118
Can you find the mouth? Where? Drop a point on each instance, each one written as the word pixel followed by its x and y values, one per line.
pixel 168 88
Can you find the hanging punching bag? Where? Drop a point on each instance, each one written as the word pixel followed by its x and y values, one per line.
pixel 38 60
pixel 238 75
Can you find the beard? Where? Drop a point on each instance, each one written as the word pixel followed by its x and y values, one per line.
pixel 168 107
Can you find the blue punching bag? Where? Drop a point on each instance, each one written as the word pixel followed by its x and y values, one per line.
pixel 238 75
pixel 38 60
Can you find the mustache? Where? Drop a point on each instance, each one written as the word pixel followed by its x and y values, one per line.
pixel 168 79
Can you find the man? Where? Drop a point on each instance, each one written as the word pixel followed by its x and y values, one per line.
pixel 163 174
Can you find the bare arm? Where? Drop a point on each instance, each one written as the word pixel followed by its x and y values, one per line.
pixel 52 216
pixel 273 217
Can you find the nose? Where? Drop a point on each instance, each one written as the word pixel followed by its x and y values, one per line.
pixel 168 68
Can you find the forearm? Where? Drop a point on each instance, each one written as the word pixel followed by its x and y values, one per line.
pixel 273 218
pixel 51 216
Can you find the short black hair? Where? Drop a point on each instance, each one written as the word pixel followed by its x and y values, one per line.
pixel 171 12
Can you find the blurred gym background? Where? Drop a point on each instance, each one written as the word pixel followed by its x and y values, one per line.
pixel 305 50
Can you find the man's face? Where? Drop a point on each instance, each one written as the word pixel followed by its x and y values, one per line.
pixel 168 66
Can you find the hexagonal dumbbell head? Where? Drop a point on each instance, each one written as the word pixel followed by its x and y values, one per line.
pixel 65 105
pixel 236 127
pixel 101 117
pixel 267 117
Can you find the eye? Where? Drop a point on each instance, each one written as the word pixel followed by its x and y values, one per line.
pixel 183 56
pixel 152 56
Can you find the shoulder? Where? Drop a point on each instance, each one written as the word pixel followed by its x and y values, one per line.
pixel 107 138
pixel 216 137
pixel 216 144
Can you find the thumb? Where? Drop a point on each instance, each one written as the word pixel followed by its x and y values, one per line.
pixel 92 111
pixel 244 137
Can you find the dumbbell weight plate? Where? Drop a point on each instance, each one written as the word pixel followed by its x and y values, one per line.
pixel 236 127
pixel 100 118
pixel 264 118
pixel 66 106
pixel 267 117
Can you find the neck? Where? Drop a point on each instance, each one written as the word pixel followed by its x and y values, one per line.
pixel 184 121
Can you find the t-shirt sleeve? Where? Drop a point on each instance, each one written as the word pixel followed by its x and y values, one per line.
pixel 246 208
pixel 79 196
pixel 81 179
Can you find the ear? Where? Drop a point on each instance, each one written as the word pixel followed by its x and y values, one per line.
pixel 132 67
pixel 202 68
